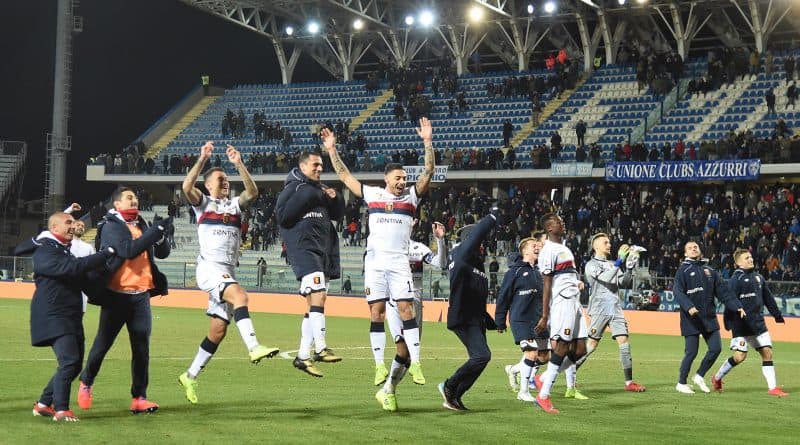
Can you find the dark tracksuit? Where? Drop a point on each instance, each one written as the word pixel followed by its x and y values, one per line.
pixel 696 286
pixel 466 314
pixel 132 310
pixel 750 288
pixel 57 310
pixel 304 213
pixel 521 296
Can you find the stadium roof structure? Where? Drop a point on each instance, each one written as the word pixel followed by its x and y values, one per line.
pixel 347 37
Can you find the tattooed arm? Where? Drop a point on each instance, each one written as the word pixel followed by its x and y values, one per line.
pixel 329 141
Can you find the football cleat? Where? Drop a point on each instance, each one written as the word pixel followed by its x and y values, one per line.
pixel 40 410
pixel 716 384
pixel 261 352
pixel 387 401
pixel 536 382
pixel 381 373
pixel 190 386
pixel 306 366
pixel 635 387
pixel 545 404
pixel 65 416
pixel 684 388
pixel 778 392
pixel 84 396
pixel 141 405
pixel 573 393
pixel 525 396
pixel 326 356
pixel 512 377
pixel 450 402
pixel 701 383
pixel 416 373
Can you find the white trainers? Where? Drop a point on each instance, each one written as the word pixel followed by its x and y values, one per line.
pixel 701 383
pixel 684 388
pixel 512 377
pixel 525 396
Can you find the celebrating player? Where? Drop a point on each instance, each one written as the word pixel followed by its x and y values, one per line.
pixel 418 255
pixel 605 279
pixel 387 273
pixel 520 298
pixel 696 286
pixel 304 211
pixel 219 232
pixel 561 291
pixel 751 289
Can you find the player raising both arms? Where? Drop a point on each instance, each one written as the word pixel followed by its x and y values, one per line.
pixel 219 232
pixel 387 274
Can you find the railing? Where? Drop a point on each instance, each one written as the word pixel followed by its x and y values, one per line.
pixel 655 115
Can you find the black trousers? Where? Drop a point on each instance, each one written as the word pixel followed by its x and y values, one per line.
pixel 473 336
pixel 691 344
pixel 69 353
pixel 133 311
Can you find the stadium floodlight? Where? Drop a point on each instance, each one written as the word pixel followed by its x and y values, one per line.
pixel 358 24
pixel 530 8
pixel 289 30
pixel 641 2
pixel 475 14
pixel 550 7
pixel 621 2
pixel 409 20
pixel 426 18
pixel 313 27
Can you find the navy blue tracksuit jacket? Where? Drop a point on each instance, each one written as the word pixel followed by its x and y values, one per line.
pixel 696 285
pixel 750 288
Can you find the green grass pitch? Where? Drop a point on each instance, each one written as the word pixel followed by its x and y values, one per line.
pixel 273 403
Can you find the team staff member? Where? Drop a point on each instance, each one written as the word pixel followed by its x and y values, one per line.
pixel 605 278
pixel 750 288
pixel 466 312
pixel 132 279
pixel 696 286
pixel 304 211
pixel 520 298
pixel 57 309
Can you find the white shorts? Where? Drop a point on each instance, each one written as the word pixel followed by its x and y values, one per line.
pixel 214 278
pixel 313 282
pixel 566 319
pixel 396 323
pixel 387 276
pixel 756 341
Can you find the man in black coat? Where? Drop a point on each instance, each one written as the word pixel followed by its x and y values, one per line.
pixel 750 288
pixel 132 279
pixel 466 313
pixel 696 286
pixel 304 211
pixel 57 308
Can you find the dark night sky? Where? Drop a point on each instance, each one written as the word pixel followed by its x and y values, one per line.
pixel 133 61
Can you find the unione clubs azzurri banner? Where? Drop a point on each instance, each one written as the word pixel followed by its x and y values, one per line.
pixel 729 170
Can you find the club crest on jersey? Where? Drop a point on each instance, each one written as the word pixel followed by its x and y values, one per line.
pixel 758 279
pixel 389 207
pixel 226 218
pixel 707 272
pixel 316 280
pixel 226 276
pixel 567 331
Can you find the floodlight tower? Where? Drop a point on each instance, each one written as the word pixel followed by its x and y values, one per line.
pixel 58 140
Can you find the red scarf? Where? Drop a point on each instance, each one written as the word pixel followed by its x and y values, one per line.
pixel 129 215
pixel 60 239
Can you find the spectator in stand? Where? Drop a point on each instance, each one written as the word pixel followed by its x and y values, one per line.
pixel 791 95
pixel 755 63
pixel 769 97
pixel 580 132
pixel 680 148
pixel 508 129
